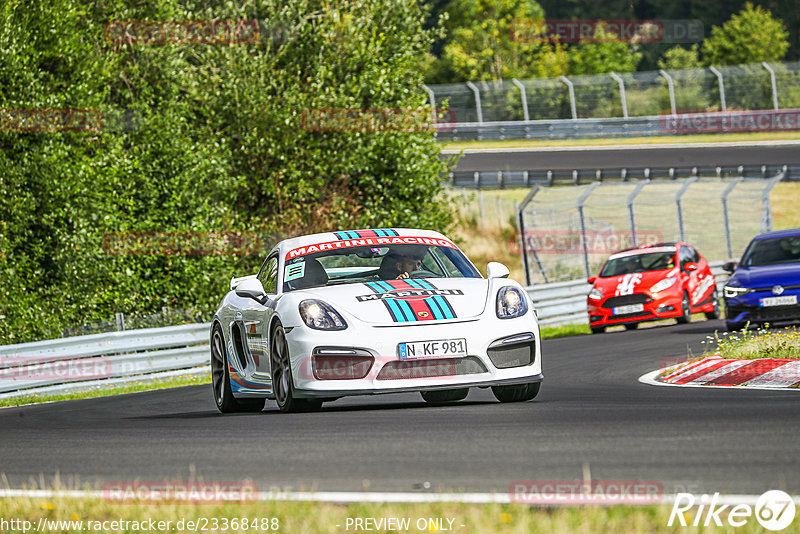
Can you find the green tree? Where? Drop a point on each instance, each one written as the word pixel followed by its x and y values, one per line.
pixel 493 40
pixel 678 57
pixel 751 36
pixel 603 53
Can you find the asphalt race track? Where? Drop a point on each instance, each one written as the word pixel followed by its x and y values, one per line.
pixel 591 412
pixel 598 157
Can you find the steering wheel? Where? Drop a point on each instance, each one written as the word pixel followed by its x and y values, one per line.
pixel 422 273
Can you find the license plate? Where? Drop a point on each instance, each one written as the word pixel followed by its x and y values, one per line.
pixel 788 300
pixel 440 348
pixel 632 308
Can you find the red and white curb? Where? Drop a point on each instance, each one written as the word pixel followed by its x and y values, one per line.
pixel 763 373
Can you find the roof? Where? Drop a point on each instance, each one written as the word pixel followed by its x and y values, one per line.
pixel 778 233
pixel 378 235
pixel 646 250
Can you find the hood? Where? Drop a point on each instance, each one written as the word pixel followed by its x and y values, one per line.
pixel 766 276
pixel 628 284
pixel 403 301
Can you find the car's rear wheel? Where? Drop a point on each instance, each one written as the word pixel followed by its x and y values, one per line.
pixel 631 326
pixel 715 313
pixel 519 393
pixel 221 380
pixel 598 329
pixel 282 383
pixel 686 308
pixel 445 396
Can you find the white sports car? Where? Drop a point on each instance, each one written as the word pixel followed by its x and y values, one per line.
pixel 372 311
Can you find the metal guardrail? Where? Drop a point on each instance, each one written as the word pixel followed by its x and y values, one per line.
pixel 501 179
pixel 103 356
pixel 561 303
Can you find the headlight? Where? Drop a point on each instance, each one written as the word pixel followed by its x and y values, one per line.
pixel 595 294
pixel 666 283
pixel 511 303
pixel 320 316
pixel 731 292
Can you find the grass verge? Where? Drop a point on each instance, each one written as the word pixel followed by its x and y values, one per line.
pixel 322 518
pixel 655 140
pixel 751 344
pixel 172 382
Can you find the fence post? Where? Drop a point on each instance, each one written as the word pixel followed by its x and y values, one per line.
pixel 521 226
pixel 631 218
pixel 622 96
pixel 725 218
pixel 478 107
pixel 774 84
pixel 766 216
pixel 480 202
pixel 671 88
pixel 119 318
pixel 500 212
pixel 571 90
pixel 432 100
pixel 524 97
pixel 721 84
pixel 582 219
pixel 678 195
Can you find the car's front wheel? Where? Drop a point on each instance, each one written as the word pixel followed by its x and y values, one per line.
pixel 598 329
pixel 445 396
pixel 714 314
pixel 686 308
pixel 282 384
pixel 631 326
pixel 519 393
pixel 221 380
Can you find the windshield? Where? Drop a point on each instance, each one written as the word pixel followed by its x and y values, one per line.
pixel 638 263
pixel 368 264
pixel 772 251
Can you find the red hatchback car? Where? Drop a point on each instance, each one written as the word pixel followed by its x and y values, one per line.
pixel 649 283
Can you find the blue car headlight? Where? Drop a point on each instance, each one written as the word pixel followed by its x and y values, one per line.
pixel 320 316
pixel 732 291
pixel 511 303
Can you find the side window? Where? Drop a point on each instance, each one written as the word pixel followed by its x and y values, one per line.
pixel 695 255
pixel 687 255
pixel 268 275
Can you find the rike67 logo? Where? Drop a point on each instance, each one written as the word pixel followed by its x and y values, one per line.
pixel 774 510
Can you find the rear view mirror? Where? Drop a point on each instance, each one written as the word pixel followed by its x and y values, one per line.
pixel 729 266
pixel 496 270
pixel 591 279
pixel 690 266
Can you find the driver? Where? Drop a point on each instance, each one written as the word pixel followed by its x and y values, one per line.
pixel 400 264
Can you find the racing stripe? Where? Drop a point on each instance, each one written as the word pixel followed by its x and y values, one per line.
pixel 391 306
pixel 438 304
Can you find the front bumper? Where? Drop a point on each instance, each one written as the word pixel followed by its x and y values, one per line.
pixel 664 307
pixel 747 308
pixel 388 373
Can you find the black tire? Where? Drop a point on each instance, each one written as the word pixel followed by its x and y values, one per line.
pixel 686 309
pixel 519 393
pixel 631 326
pixel 598 329
pixel 714 314
pixel 282 383
pixel 444 396
pixel 221 380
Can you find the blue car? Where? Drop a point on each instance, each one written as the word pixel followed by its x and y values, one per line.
pixel 765 286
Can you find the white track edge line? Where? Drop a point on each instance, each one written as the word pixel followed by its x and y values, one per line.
pixel 382 497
